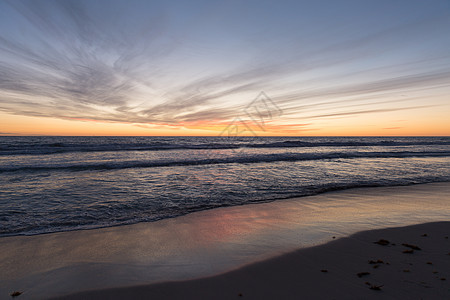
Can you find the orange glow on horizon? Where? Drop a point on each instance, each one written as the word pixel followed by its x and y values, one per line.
pixel 24 125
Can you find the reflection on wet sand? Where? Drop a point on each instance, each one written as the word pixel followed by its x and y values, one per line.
pixel 208 242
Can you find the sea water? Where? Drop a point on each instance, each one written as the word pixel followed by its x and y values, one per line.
pixel 50 184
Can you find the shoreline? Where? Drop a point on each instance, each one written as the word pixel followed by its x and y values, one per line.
pixel 354 267
pixel 326 191
pixel 206 243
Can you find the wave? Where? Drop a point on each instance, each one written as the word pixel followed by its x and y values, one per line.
pixel 66 148
pixel 258 158
pixel 73 222
pixel 226 143
pixel 288 144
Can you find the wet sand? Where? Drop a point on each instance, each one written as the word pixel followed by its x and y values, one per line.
pixel 207 243
pixel 399 263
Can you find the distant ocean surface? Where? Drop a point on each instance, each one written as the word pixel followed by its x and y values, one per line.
pixel 51 184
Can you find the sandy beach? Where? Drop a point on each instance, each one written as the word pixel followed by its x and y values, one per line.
pixel 397 263
pixel 254 247
pixel 224 149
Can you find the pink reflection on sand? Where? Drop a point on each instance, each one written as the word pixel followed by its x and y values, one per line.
pixel 209 242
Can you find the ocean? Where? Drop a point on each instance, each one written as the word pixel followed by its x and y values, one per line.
pixel 51 184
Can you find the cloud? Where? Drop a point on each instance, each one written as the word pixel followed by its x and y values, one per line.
pixel 392 128
pixel 369 111
pixel 307 103
pixel 78 62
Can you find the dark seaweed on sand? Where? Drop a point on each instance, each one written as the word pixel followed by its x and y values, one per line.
pixel 361 274
pixel 375 287
pixel 15 294
pixel 414 247
pixel 382 242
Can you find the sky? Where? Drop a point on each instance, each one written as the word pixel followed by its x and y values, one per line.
pixel 287 68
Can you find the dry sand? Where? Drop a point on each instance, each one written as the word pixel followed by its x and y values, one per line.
pixel 348 268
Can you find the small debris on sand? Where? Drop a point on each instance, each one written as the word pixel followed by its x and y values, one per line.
pixel 375 266
pixel 240 295
pixel 408 251
pixel 378 261
pixel 16 293
pixel 361 274
pixel 442 278
pixel 414 247
pixel 324 271
pixel 429 263
pixel 375 287
pixel 435 272
pixel 406 271
pixel 382 242
pixel 424 235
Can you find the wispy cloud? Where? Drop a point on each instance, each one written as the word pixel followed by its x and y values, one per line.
pixel 79 65
pixel 392 128
pixel 369 111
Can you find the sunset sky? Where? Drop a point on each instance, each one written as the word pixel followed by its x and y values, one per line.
pixel 199 67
